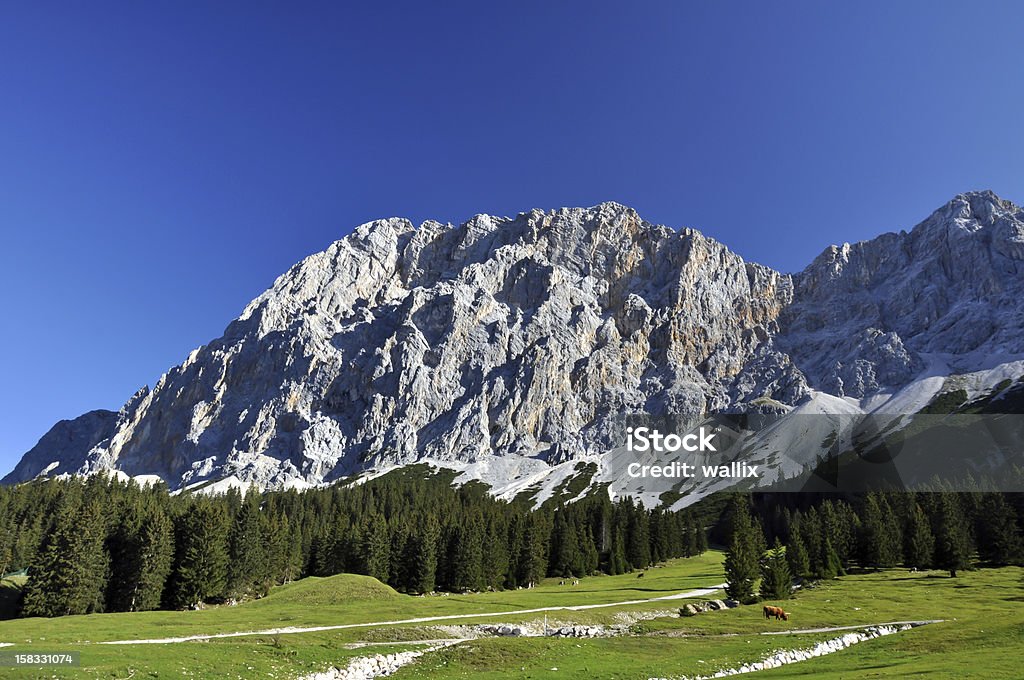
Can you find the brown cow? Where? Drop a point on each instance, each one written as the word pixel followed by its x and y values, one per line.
pixel 777 612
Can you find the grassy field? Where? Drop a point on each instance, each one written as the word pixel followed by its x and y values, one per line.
pixel 986 639
pixel 983 636
pixel 339 600
pixel 348 599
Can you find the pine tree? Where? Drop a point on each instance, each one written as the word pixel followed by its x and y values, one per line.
pixel 421 558
pixel 340 549
pixel 565 549
pixel 495 553
pixel 998 536
pixel 811 534
pixel 658 529
pixel 952 542
pixel 796 556
pixel 142 552
pixel 125 560
pixel 276 530
pixel 533 558
pixel 398 539
pixel 880 545
pixel 376 548
pixel 702 537
pixel 829 565
pixel 776 578
pixel 201 571
pixel 638 549
pixel 919 543
pixel 69 574
pixel 589 558
pixel 839 523
pixel 247 548
pixel 743 556
pixel 467 556
pixel 617 553
pixel 156 545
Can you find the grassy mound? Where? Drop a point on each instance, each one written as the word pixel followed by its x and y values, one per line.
pixel 332 590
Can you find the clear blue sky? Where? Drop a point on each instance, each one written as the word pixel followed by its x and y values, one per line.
pixel 162 163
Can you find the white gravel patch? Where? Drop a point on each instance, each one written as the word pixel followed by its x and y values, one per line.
pixel 788 656
pixel 375 666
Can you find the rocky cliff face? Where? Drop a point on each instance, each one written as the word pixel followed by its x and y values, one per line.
pixel 864 314
pixel 520 339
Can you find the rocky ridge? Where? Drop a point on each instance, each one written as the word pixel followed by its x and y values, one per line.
pixel 506 347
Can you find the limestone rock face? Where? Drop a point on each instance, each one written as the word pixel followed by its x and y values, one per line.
pixel 864 313
pixel 522 338
pixel 65 448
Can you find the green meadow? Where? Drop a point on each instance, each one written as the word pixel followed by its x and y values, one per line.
pixel 982 635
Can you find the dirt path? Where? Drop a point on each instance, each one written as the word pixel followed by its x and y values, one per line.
pixel 700 592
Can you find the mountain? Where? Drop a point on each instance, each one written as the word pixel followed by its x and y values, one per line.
pixel 507 348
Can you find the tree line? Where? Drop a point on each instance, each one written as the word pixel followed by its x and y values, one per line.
pixel 98 545
pixel 821 538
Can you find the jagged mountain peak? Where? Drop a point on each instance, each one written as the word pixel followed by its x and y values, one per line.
pixel 868 313
pixel 964 215
pixel 512 343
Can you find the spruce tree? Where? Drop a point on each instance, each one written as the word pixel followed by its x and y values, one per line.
pixel 589 558
pixel 69 574
pixel 201 570
pixel 658 529
pixel 638 549
pixel 690 544
pixel 776 578
pixel 617 553
pixel 796 556
pixel 421 558
pixel 952 542
pixel 919 543
pixel 533 558
pixel 839 522
pixel 275 529
pixel 702 537
pixel 467 556
pixel 743 556
pixel 880 546
pixel 398 539
pixel 565 550
pixel 376 548
pixel 247 548
pixel 156 545
pixel 809 528
pixel 142 552
pixel 829 565
pixel 999 540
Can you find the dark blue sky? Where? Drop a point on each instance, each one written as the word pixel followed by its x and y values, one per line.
pixel 161 164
